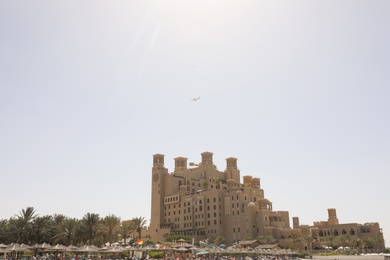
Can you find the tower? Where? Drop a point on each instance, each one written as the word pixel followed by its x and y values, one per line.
pixel 332 217
pixel 231 169
pixel 295 222
pixel 158 174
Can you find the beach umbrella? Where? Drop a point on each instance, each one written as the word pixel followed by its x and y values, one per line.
pixel 18 248
pixel 165 248
pixel 56 248
pixel 202 253
pixel 182 249
pixel 87 248
pixel 42 246
pixel 147 248
pixel 3 246
pixel 71 248
pixel 3 250
pixel 115 249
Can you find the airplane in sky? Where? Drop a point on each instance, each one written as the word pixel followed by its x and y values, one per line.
pixel 195 99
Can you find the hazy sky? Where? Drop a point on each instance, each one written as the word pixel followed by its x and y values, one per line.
pixel 298 91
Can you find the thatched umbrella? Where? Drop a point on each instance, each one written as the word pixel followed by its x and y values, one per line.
pixel 71 248
pixel 57 248
pixel 18 248
pixel 182 249
pixel 115 249
pixel 86 249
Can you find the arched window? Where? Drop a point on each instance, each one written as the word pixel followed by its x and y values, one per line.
pixel 335 232
pixel 352 232
pixel 343 232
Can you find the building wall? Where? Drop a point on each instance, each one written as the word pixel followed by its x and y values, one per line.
pixel 200 201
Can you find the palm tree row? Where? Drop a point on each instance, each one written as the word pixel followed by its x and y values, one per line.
pixel 29 228
pixel 360 244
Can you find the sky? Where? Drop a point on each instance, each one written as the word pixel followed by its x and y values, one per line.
pixel 297 91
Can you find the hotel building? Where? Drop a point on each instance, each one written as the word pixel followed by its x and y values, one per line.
pixel 199 201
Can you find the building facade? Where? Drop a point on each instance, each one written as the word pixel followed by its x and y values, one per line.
pixel 199 201
pixel 368 236
pixel 202 202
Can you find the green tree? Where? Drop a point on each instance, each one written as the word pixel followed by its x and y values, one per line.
pixel 41 229
pixel 368 244
pixel 65 232
pixel 125 229
pixel 20 226
pixel 328 240
pixel 308 241
pixel 89 227
pixel 294 236
pixel 174 237
pixel 111 227
pixel 139 224
pixel 266 240
pixel 217 239
pixel 4 231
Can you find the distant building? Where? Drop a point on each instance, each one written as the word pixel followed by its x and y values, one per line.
pixel 368 236
pixel 199 201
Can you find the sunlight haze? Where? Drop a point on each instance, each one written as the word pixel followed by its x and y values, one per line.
pixel 297 91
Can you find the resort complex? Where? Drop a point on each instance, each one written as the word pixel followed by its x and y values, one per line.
pixel 199 201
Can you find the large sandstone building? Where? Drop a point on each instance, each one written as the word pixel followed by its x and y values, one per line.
pixel 199 201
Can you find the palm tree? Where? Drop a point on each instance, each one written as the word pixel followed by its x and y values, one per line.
pixel 357 244
pixel 308 240
pixel 368 243
pixel 4 231
pixel 89 226
pixel 329 240
pixel 217 239
pixel 125 229
pixel 266 240
pixel 294 236
pixel 343 240
pixel 139 224
pixel 41 229
pixel 111 227
pixel 65 232
pixel 20 225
